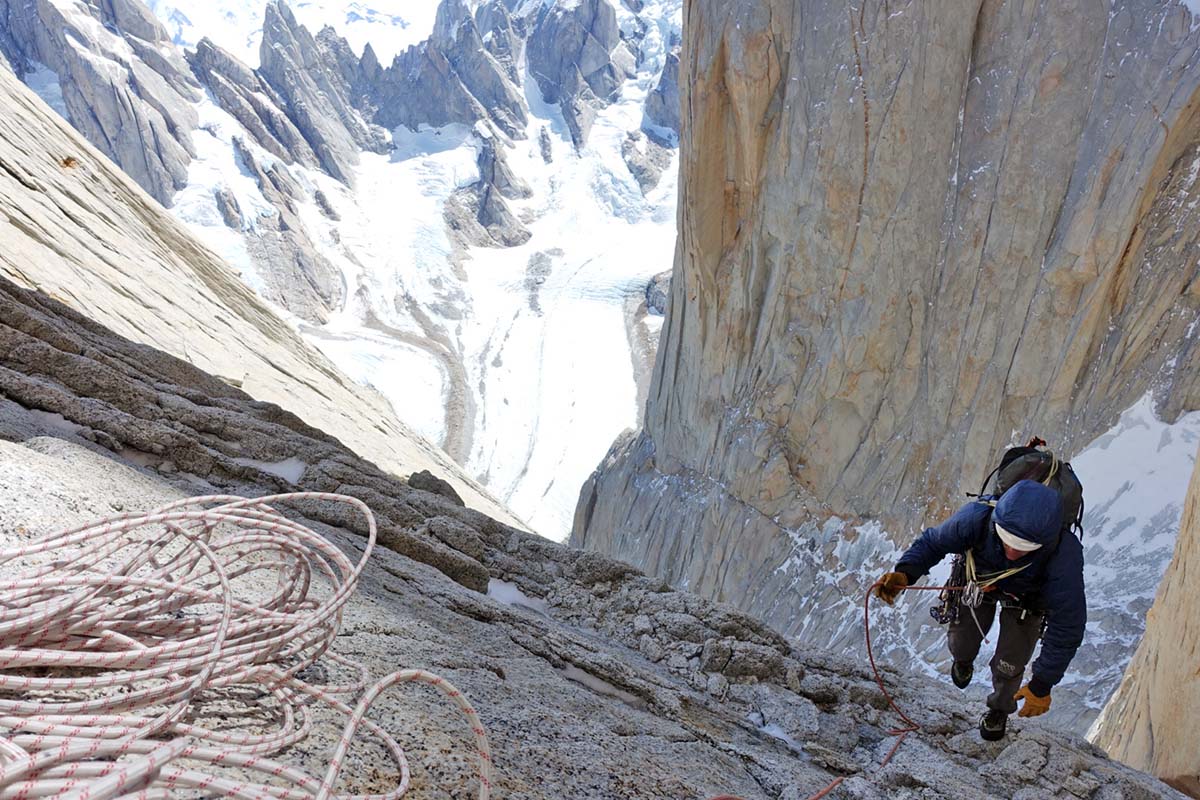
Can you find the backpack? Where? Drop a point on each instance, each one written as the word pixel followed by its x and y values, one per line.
pixel 1033 463
pixel 1018 464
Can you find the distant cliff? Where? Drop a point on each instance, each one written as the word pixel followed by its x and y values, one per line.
pixel 908 235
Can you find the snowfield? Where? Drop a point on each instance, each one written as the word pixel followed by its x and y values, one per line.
pixel 515 360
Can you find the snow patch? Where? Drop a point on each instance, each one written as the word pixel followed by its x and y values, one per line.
pixel 511 595
pixel 290 469
pixel 55 423
pixel 601 686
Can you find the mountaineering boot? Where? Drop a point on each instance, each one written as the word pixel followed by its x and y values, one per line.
pixel 961 672
pixel 992 726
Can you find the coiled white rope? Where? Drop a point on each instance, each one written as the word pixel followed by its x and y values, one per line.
pixel 117 637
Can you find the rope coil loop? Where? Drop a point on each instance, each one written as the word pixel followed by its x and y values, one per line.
pixel 123 641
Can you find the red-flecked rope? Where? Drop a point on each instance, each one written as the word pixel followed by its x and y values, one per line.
pixel 900 733
pixel 116 636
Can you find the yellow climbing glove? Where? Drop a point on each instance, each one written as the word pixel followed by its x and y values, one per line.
pixel 889 587
pixel 1034 706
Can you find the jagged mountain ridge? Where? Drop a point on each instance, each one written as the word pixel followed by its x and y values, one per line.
pixel 908 239
pixel 437 295
pixel 73 226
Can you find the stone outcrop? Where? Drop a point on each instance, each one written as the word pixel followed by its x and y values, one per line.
pixel 73 226
pixel 903 236
pixel 478 214
pixel 1150 721
pixel 657 293
pixel 123 84
pixel 593 680
pixel 453 77
pixel 646 158
pixel 662 104
pixel 316 98
pixel 293 272
pixel 576 55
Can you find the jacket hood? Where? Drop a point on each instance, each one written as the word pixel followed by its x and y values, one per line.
pixel 1031 511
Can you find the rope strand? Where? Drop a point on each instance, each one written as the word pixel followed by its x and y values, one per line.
pixel 116 635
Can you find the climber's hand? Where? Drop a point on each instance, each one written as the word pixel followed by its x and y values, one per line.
pixel 1034 705
pixel 890 586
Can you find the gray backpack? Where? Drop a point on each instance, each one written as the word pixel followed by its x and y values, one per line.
pixel 1035 464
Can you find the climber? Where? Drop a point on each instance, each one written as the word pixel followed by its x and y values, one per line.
pixel 1017 556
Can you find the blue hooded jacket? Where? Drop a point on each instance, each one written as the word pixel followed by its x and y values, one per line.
pixel 1053 582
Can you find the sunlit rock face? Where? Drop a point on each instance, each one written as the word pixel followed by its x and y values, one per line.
pixel 1150 721
pixel 909 236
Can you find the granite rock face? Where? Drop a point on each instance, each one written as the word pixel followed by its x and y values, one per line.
pixel 123 84
pixel 662 104
pixel 85 234
pixel 577 57
pixel 593 680
pixel 294 64
pixel 904 235
pixel 1150 721
pixel 453 77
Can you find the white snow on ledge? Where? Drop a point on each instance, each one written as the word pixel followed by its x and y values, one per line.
pixel 601 686
pixel 290 469
pixel 511 595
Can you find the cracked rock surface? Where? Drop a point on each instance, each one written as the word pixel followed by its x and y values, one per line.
pixel 595 681
pixel 908 236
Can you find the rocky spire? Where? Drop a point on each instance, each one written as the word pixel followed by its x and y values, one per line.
pixel 576 55
pixel 452 78
pixel 123 85
pixel 315 93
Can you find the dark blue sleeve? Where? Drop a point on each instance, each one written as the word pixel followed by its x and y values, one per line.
pixel 1065 605
pixel 955 535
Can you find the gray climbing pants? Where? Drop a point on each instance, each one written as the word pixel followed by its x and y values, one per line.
pixel 1018 638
